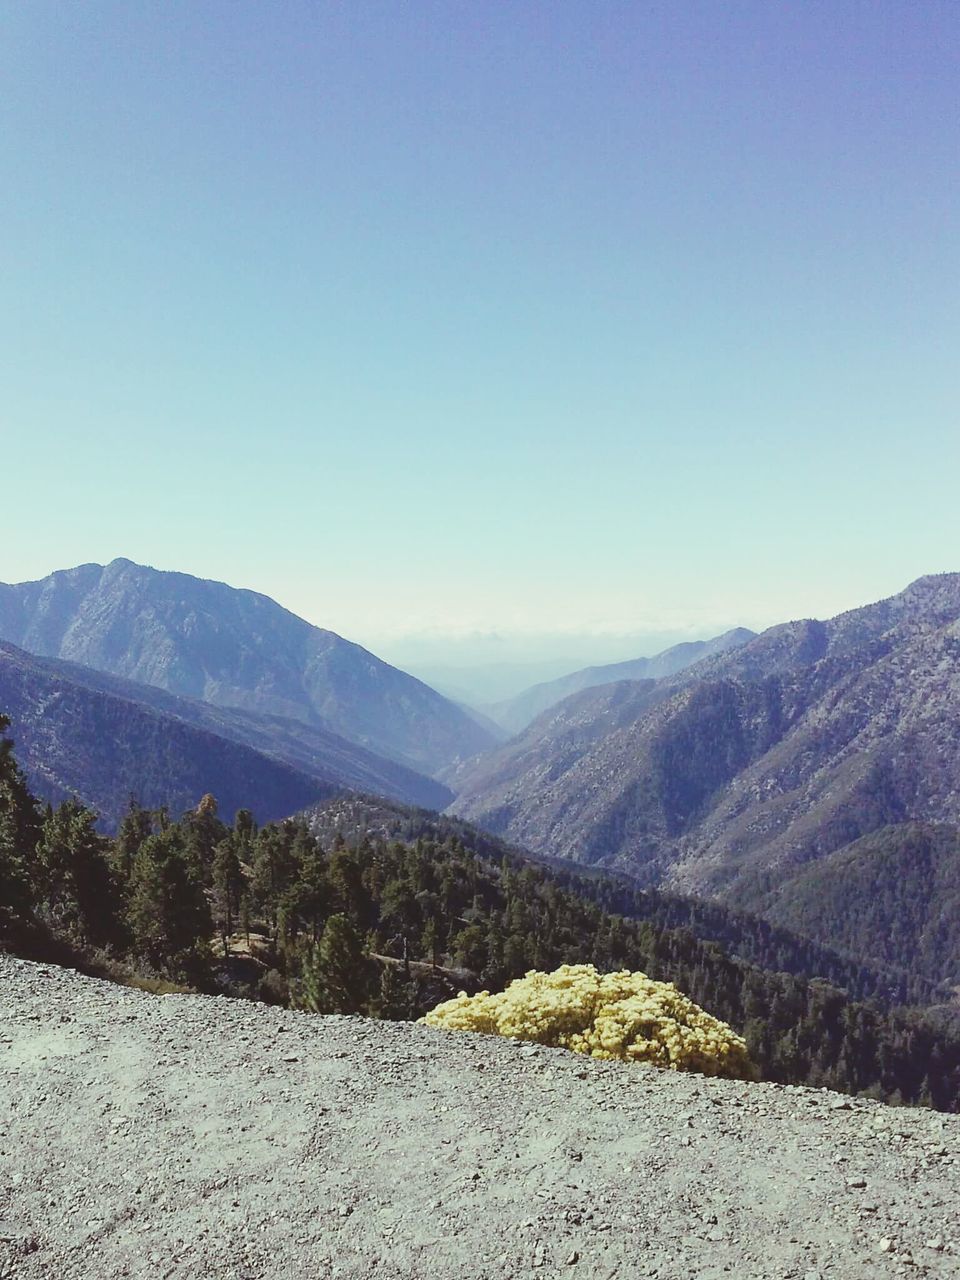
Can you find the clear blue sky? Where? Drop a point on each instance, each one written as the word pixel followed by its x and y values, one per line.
pixel 540 318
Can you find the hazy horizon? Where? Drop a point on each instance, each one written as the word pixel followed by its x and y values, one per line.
pixel 481 666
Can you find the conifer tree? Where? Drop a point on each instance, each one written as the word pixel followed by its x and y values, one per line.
pixel 336 972
pixel 168 913
pixel 77 890
pixel 19 833
pixel 228 883
pixel 137 823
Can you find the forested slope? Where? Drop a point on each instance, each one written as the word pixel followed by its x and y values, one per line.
pixel 83 732
pixel 389 928
pixel 738 774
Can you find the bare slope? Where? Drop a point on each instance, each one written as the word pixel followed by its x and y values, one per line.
pixel 235 649
pixel 179 1137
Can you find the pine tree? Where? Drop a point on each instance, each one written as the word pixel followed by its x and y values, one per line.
pixel 77 890
pixel 19 833
pixel 336 972
pixel 203 831
pixel 397 998
pixel 228 883
pixel 137 823
pixel 168 913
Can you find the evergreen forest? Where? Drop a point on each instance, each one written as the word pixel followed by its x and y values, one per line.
pixel 387 921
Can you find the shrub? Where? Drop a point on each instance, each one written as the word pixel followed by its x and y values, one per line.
pixel 613 1015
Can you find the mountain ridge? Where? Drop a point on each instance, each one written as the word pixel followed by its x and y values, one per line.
pixel 749 764
pixel 514 714
pixel 234 647
pixel 67 719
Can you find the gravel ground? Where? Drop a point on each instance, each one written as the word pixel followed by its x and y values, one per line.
pixel 182 1136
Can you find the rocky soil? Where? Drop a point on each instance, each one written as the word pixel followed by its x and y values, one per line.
pixel 182 1136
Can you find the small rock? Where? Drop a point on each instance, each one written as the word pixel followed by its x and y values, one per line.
pixel 856 1184
pixel 886 1245
pixel 572 1258
pixel 936 1244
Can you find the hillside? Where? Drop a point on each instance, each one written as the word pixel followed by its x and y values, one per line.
pixel 388 928
pixel 743 936
pixel 890 897
pixel 62 711
pixel 76 741
pixel 181 1136
pixel 516 713
pixel 731 776
pixel 238 649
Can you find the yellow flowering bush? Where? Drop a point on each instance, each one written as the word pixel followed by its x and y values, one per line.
pixel 606 1015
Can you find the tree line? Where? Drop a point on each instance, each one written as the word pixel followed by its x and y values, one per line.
pixel 386 927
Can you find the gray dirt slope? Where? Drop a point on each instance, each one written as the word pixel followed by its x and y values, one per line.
pixel 181 1136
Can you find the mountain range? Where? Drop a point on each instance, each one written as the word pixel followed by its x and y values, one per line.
pixel 238 649
pixel 514 714
pixel 807 775
pixel 739 774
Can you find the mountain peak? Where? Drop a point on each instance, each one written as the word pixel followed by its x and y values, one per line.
pixel 235 648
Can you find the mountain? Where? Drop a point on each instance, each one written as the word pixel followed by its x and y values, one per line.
pixel 731 777
pixel 80 732
pixel 516 713
pixel 320 754
pixel 235 648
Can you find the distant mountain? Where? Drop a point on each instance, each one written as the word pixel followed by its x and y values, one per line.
pixel 236 649
pixel 731 777
pixel 514 714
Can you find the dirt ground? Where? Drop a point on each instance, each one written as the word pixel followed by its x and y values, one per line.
pixel 181 1136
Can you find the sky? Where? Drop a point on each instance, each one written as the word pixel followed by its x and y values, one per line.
pixel 485 331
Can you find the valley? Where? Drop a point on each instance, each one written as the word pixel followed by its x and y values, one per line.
pixel 718 822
